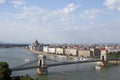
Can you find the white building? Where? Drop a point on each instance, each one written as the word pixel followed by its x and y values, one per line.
pixel 34 46
pixel 85 53
pixel 52 50
pixel 71 51
pixel 46 49
pixel 59 50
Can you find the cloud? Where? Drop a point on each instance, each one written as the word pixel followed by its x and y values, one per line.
pixel 2 1
pixel 112 4
pixel 91 14
pixel 68 9
pixel 38 13
pixel 33 13
pixel 65 13
pixel 17 3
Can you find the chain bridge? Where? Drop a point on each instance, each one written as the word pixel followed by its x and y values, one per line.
pixel 42 63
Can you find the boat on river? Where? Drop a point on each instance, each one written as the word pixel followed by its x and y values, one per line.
pixel 27 60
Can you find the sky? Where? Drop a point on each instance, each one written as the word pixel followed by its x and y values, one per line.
pixel 60 21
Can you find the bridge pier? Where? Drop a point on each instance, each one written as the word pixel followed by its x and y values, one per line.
pixel 103 61
pixel 42 70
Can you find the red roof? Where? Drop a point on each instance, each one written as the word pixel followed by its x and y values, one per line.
pixel 102 48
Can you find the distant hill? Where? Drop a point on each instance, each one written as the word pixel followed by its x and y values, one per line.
pixel 1 42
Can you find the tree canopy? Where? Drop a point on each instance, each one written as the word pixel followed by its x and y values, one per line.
pixel 114 55
pixel 5 72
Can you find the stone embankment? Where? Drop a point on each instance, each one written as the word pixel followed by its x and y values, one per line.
pixel 116 62
pixel 43 53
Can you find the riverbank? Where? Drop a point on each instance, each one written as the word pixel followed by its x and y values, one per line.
pixel 42 53
pixel 74 58
pixel 114 62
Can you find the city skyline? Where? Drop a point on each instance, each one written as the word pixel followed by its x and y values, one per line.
pixel 63 21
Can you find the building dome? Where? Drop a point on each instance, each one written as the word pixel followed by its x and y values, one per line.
pixel 36 42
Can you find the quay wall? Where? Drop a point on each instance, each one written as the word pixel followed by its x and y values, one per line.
pixel 42 53
pixel 114 62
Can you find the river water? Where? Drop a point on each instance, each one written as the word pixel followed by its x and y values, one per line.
pixel 17 56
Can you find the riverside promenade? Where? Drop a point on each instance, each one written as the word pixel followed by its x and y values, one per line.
pixel 53 55
pixel 43 53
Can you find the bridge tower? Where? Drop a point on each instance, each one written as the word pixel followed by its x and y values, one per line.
pixel 42 70
pixel 103 62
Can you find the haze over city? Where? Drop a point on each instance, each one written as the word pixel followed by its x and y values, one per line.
pixel 60 21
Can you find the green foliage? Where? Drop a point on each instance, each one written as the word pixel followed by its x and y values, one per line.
pixel 114 55
pixel 5 72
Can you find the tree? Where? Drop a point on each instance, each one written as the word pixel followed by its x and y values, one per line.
pixel 5 72
pixel 114 55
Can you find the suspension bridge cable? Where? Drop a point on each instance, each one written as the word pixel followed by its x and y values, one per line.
pixel 54 60
pixel 26 64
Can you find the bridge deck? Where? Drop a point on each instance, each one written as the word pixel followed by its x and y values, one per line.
pixel 55 64
pixel 24 68
pixel 75 62
pixel 52 65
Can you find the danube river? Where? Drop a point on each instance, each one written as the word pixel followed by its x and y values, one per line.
pixel 17 56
